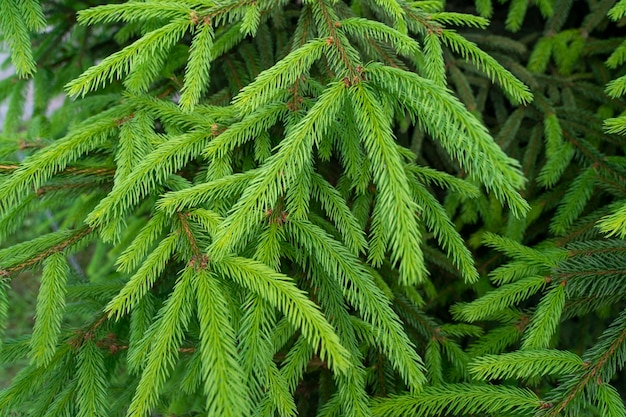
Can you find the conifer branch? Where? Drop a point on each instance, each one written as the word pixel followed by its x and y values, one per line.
pixel 172 320
pixel 50 309
pixel 393 186
pixel 15 25
pixel 278 290
pixel 37 257
pixel 595 367
pixel 279 171
pixel 224 379
pixel 287 193
pixel 409 88
pixel 361 292
pixel 458 399
pixel 39 167
pixel 526 364
pixel 144 278
pixel 328 24
pixel 91 383
pixel 121 63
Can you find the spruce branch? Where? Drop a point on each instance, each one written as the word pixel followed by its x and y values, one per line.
pixel 198 67
pixel 33 252
pixel 136 250
pixel 279 291
pixel 600 364
pixel 422 98
pixel 526 364
pixel 152 171
pixel 91 381
pixel 435 67
pixel 458 399
pixel 547 316
pixel 342 56
pixel 392 183
pixel 224 379
pixel 499 299
pixel 16 20
pixel 337 210
pixel 162 351
pixel 513 87
pixel 30 380
pixel 50 309
pixel 36 169
pixel 449 239
pixel 121 63
pixel 279 172
pixel 285 194
pixel 144 278
pixel 283 74
pixel 361 292
pixel 133 11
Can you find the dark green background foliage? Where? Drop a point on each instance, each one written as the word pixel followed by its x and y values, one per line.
pixel 314 208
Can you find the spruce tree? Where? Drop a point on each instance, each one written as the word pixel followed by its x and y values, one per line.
pixel 315 208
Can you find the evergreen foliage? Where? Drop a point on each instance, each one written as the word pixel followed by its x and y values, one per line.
pixel 315 208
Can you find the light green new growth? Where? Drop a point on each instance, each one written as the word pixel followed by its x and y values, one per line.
pixel 154 169
pixel 512 86
pixel 224 381
pixel 361 292
pixel 499 299
pixel 50 309
pixel 38 168
pixel 283 74
pixel 280 292
pixel 339 213
pixel 390 179
pixel 134 11
pixel 170 325
pixel 144 278
pixel 121 63
pixel 17 18
pixel 480 156
pixel 91 387
pixel 274 208
pixel 402 43
pixel 458 399
pixel 279 171
pixel 544 322
pixel 198 67
pixel 614 224
pixel 526 364
pixel 135 252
